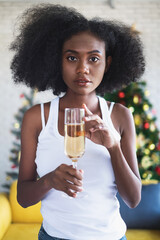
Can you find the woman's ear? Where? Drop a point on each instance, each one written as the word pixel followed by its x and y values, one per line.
pixel 108 63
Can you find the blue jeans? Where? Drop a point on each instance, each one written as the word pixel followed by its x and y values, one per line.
pixel 44 236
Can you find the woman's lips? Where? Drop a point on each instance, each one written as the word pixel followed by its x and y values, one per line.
pixel 82 82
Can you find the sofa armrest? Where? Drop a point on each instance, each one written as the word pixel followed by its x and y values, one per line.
pixel 5 214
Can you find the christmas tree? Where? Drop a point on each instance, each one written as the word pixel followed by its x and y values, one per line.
pixel 135 97
pixel 28 101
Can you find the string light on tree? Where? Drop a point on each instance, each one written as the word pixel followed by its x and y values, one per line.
pixel 145 107
pixel 146 151
pixel 155 158
pixel 149 116
pixel 16 125
pixel 131 109
pixel 147 93
pixel 152 127
pixel 137 119
pixel 136 99
pixel 152 146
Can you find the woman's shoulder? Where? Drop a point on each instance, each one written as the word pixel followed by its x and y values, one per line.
pixel 33 116
pixel 35 110
pixel 121 116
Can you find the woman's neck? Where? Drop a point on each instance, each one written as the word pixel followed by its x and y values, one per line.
pixel 76 100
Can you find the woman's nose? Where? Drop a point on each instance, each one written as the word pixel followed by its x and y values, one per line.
pixel 82 68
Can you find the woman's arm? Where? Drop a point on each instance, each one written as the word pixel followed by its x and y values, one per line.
pixel 124 159
pixel 29 189
pixel 123 153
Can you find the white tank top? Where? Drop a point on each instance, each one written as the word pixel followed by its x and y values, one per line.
pixel 95 217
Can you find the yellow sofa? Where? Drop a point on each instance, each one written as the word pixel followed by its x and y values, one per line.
pixel 17 223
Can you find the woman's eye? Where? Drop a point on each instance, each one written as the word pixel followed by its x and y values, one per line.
pixel 93 59
pixel 72 58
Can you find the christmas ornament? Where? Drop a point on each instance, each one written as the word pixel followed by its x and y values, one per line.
pixel 146 107
pixel 136 99
pixel 152 127
pixel 13 166
pixel 157 169
pixel 144 175
pixel 152 146
pixel 147 175
pixel 25 103
pixel 146 162
pixel 146 93
pixel 22 95
pixel 149 116
pixel 137 119
pixel 8 178
pixel 121 94
pixel 17 125
pixel 146 125
pixel 146 151
pixel 140 141
pixel 131 109
pixel 154 111
pixel 155 158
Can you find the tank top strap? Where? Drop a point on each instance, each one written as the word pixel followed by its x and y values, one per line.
pixel 53 112
pixel 106 115
pixel 42 115
pixel 104 108
pixel 111 108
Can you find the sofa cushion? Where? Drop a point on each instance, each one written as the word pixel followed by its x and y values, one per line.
pixel 5 214
pixel 20 231
pixel 23 215
pixel 147 214
pixel 133 234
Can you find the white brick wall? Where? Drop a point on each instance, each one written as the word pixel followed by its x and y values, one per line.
pixel 144 13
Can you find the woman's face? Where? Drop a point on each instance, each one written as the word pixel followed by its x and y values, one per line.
pixel 83 63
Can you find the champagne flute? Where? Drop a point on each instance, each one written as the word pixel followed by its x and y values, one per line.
pixel 74 138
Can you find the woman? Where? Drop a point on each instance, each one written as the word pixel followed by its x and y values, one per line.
pixel 59 49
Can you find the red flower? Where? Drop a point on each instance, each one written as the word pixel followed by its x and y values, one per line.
pixel 157 169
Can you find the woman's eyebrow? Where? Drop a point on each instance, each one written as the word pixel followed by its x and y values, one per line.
pixel 90 52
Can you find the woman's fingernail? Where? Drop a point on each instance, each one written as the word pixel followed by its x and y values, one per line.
pixel 81 171
pixel 81 189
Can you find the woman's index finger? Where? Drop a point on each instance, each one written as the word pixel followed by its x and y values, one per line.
pixel 88 112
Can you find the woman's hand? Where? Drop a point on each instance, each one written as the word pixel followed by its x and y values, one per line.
pixel 97 131
pixel 67 179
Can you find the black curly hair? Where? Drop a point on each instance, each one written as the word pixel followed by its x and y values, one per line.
pixel 38 48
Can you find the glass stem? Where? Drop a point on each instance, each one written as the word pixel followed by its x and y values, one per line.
pixel 74 163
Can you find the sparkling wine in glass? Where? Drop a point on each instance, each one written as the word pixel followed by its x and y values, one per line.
pixel 74 138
